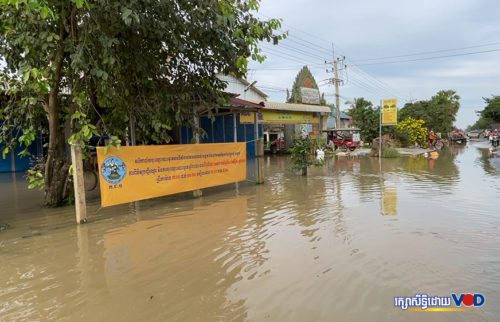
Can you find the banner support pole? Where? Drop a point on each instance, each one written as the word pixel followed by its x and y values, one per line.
pixel 197 193
pixel 78 183
pixel 259 152
pixel 380 130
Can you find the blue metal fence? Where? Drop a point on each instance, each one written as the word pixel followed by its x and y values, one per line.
pixel 221 130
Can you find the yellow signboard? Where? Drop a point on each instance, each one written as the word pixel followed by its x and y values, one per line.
pixel 141 172
pixel 280 117
pixel 247 117
pixel 390 111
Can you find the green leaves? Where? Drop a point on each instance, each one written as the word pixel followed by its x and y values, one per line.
pixel 5 151
pixel 35 179
pixel 106 61
pixel 114 142
pixel 79 3
pixel 439 112
pixel 302 153
pixel 83 129
pixel 126 12
pixel 411 131
pixel 489 115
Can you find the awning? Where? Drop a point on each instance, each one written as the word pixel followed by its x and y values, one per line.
pixel 294 107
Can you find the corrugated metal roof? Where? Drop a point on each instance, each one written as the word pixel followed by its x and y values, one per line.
pixel 293 107
pixel 343 115
pixel 235 101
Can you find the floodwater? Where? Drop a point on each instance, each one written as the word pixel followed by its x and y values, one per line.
pixel 337 245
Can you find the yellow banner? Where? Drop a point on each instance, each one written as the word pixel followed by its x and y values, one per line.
pixel 390 111
pixel 280 117
pixel 142 172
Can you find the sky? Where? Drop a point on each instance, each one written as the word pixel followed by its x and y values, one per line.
pixel 367 32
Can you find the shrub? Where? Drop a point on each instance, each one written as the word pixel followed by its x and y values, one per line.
pixel 411 131
pixel 301 154
pixel 390 153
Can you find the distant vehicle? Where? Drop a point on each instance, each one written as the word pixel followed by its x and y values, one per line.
pixel 475 134
pixel 457 137
pixel 494 138
pixel 344 138
pixel 274 140
pixel 276 145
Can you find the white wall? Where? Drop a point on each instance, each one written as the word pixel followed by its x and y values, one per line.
pixel 237 87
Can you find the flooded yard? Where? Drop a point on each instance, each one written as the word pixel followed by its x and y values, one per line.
pixel 337 245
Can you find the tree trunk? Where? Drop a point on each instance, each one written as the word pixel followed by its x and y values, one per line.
pixel 56 166
pixel 304 171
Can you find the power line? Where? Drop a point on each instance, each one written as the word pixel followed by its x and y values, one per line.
pixel 320 49
pixel 297 50
pixel 375 82
pixel 430 58
pixel 427 52
pixel 311 66
pixel 285 56
pixel 304 32
pixel 298 54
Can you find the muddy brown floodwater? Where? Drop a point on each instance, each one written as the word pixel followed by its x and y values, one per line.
pixel 337 245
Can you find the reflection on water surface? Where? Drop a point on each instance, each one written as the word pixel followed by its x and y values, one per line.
pixel 338 245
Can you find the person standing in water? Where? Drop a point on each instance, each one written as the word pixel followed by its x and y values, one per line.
pixel 432 138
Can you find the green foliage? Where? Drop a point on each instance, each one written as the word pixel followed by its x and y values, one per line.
pixel 439 113
pixel 411 131
pixel 365 117
pixel 90 65
pixel 125 57
pixel 35 179
pixel 489 115
pixel 301 153
pixel 390 152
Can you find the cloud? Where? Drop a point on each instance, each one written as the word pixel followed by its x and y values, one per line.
pixel 370 29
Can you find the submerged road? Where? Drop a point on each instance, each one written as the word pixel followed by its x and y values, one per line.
pixel 337 245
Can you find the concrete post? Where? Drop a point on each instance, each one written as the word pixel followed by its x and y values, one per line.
pixel 197 193
pixel 235 139
pixel 133 140
pixel 78 183
pixel 259 152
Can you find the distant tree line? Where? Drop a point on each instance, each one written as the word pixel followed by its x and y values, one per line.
pixel 438 113
pixel 489 115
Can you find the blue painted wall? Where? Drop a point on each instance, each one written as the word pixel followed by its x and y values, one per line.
pixel 223 132
pixel 21 163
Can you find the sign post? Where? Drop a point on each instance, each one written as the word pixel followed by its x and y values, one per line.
pixel 388 117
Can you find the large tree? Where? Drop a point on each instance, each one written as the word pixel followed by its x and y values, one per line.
pixel 366 117
pixel 489 115
pixel 439 113
pixel 88 66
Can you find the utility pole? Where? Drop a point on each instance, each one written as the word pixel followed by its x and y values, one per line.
pixel 337 82
pixel 337 93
